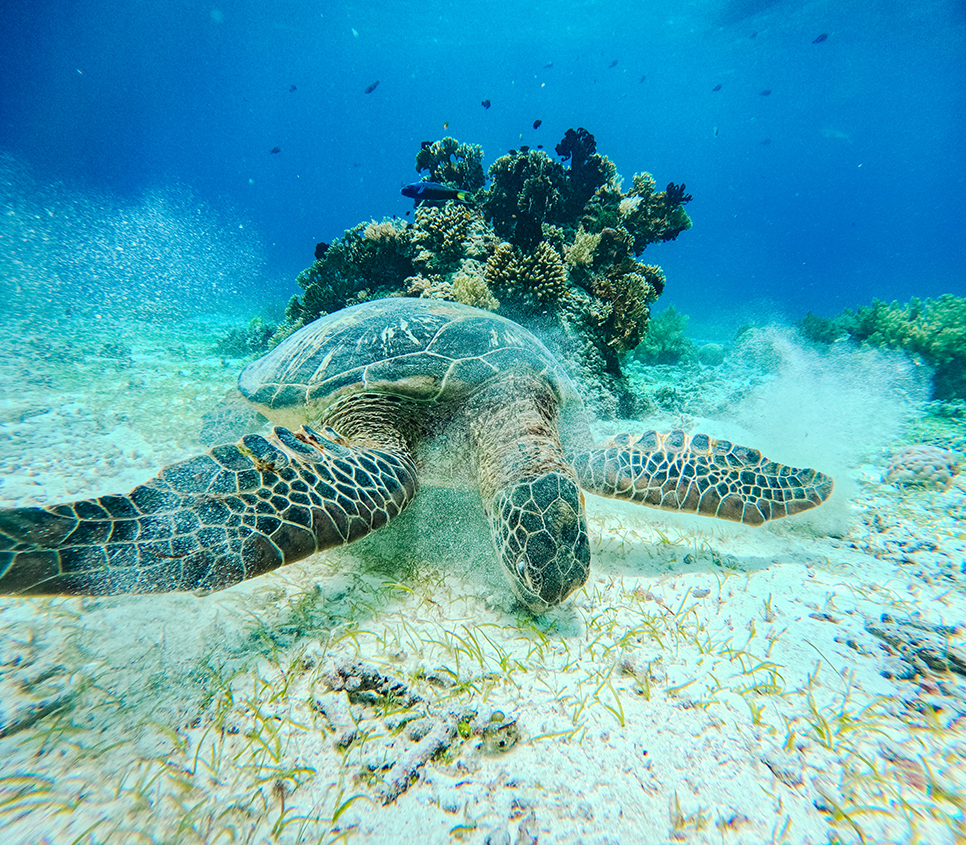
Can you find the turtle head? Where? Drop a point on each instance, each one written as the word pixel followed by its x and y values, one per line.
pixel 540 533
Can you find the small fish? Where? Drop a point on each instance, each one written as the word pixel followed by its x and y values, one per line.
pixel 539 146
pixel 292 88
pixel 432 192
pixel 717 87
pixel 639 81
pixel 536 124
pixel 547 66
pixel 371 88
pixel 320 250
pixel 754 32
pixel 612 64
pixel 524 149
pixel 765 142
pixel 275 150
pixel 821 38
pixel 716 132
pixel 425 145
pixel 446 125
pixel 764 93
pixel 485 104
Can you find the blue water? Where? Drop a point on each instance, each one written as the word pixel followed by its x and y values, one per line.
pixel 843 184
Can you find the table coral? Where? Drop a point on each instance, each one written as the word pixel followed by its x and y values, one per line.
pixel 922 465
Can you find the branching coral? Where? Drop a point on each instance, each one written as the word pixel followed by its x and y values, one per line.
pixel 451 163
pixel 440 232
pixel 666 342
pixel 527 278
pixel 526 191
pixel 625 295
pixel 648 216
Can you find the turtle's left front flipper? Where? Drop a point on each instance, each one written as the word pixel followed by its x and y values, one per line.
pixel 211 521
pixel 678 472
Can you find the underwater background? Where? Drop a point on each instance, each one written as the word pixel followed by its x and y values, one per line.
pixel 168 170
pixel 842 184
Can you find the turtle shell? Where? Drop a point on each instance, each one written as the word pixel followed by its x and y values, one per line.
pixel 425 349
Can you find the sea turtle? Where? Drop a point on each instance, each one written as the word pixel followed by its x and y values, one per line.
pixel 389 385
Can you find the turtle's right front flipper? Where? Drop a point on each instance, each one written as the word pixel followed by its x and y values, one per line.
pixel 208 522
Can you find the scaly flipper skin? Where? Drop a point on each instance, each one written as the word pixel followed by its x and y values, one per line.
pixel 698 474
pixel 210 521
pixel 530 494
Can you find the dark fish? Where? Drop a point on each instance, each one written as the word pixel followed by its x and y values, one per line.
pixel 717 87
pixel 432 192
pixel 754 32
pixel 642 79
pixel 612 64
pixel 536 124
pixel 765 93
pixel 821 38
pixel 371 88
pixel 513 152
pixel 320 250
pixel 485 104
pixel 765 142
pixel 407 213
pixel 425 145
pixel 524 149
pixel 548 65
pixel 292 88
pixel 539 146
pixel 274 150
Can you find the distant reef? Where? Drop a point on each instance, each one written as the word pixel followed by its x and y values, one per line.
pixel 551 244
pixel 933 330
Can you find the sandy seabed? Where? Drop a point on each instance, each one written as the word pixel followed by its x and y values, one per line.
pixel 800 683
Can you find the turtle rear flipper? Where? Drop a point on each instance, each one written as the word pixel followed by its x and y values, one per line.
pixel 210 521
pixel 678 472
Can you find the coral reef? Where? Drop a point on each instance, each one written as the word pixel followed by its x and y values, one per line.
pixel 588 170
pixel 526 190
pixel 528 279
pixel 922 465
pixel 712 354
pixel 933 330
pixel 368 261
pixel 552 244
pixel 451 163
pixel 441 234
pixel 470 286
pixel 666 342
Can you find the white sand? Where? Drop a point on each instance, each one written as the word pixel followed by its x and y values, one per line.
pixel 711 683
